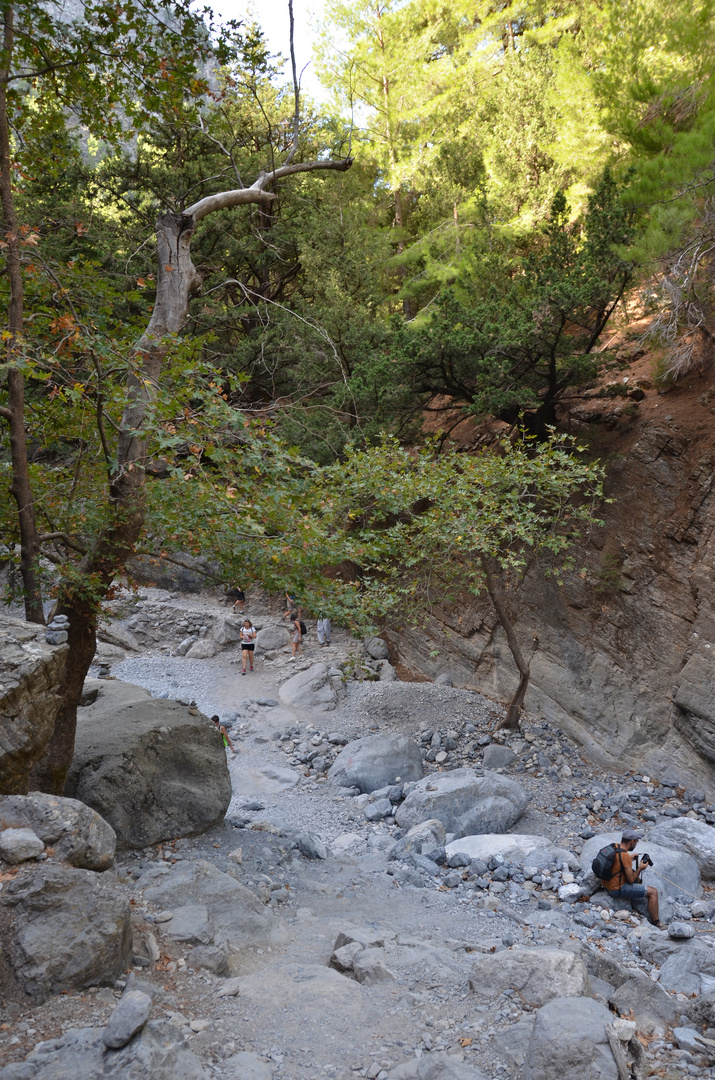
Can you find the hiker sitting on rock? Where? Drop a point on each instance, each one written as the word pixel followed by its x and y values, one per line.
pixel 624 882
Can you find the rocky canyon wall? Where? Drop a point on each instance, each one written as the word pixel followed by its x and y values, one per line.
pixel 624 651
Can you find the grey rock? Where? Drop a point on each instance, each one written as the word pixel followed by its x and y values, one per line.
pixel 677 866
pixel 310 689
pixel 498 757
pixel 210 958
pixel 569 1042
pixel 246 1066
pixel 464 802
pixel 159 1052
pixel 688 1039
pixel 18 845
pixel 376 761
pixel 377 649
pixel 681 931
pixel 366 936
pixel 226 631
pixel 681 972
pixel 191 923
pixel 119 636
pixel 343 958
pixel 377 810
pixel 427 838
pixel 77 833
pixel 436 1066
pixel 69 929
pixel 369 967
pixel 687 834
pixel 311 846
pixel 304 987
pixel 203 649
pixel 652 1007
pixel 129 1017
pixel 30 674
pixel 512 1045
pixel 237 915
pixel 523 848
pixel 154 769
pixel 536 974
pixel 56 637
pixel 443 680
pixel 459 858
pixel 271 637
pixel 426 865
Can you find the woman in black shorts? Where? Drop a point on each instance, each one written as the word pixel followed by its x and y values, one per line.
pixel 248 643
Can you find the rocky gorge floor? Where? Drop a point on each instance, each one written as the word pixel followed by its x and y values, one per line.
pixel 317 932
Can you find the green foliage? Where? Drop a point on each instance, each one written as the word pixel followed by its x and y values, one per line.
pixel 421 526
pixel 520 331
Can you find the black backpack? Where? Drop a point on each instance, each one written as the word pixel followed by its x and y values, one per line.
pixel 602 865
pixel 303 628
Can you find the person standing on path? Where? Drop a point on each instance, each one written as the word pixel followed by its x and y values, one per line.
pixel 297 634
pixel 248 644
pixel 323 629
pixel 293 605
pixel 240 599
pixel 224 735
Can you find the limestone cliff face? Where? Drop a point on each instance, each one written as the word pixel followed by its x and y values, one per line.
pixel 623 652
pixel 30 674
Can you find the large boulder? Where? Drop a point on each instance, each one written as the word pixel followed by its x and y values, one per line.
pixel 68 929
pixel 226 631
pixel 310 689
pixel 376 761
pixel 672 871
pixel 646 1002
pixel 523 848
pixel 273 636
pixel 687 834
pixel 682 962
pixel 114 634
pixel 77 833
pixel 158 1052
pixel 569 1041
pixel 466 803
pixel 210 907
pixel 537 975
pixel 30 675
pixel 154 769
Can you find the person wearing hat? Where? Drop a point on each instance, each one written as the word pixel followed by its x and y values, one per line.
pixel 625 882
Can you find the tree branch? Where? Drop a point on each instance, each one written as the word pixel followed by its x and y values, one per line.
pixel 47 537
pixel 256 193
pixel 6 414
pixel 296 87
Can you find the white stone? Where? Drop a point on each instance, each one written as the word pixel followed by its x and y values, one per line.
pixel 19 845
pixel 624 1029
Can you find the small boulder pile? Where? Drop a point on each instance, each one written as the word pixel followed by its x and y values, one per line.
pixel 69 921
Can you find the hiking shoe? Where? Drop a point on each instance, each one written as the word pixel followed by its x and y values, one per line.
pixel 243 672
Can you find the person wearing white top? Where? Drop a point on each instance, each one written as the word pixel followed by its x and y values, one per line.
pixel 248 643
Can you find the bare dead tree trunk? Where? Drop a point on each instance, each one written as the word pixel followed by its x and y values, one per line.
pixel 20 487
pixel 511 720
pixel 81 594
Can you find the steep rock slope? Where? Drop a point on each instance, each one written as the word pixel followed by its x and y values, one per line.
pixel 624 652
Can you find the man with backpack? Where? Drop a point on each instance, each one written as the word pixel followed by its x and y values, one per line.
pixel 614 866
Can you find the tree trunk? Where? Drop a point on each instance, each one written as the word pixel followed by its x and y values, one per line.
pixel 81 592
pixel 20 488
pixel 511 720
